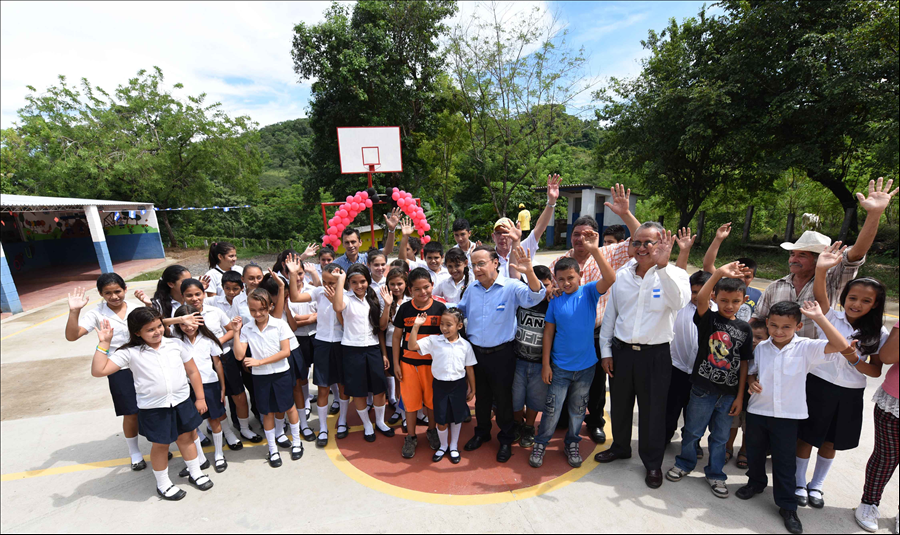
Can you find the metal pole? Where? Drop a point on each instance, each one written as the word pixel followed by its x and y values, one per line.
pixel 374 244
pixel 748 220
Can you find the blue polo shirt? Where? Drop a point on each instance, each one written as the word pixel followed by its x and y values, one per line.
pixel 574 316
pixel 344 262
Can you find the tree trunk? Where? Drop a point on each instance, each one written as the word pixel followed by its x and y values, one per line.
pixel 844 196
pixel 165 219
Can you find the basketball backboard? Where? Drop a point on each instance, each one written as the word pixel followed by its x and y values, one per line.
pixel 360 147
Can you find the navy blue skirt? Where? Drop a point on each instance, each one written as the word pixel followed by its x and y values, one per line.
pixel 274 392
pixel 306 347
pixel 212 393
pixel 234 383
pixel 835 414
pixel 163 426
pixel 299 369
pixel 450 406
pixel 121 387
pixel 363 370
pixel 327 360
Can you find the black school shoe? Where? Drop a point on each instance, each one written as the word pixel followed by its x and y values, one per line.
pixel 342 434
pixel 186 473
pixel 173 498
pixel 816 502
pixel 394 418
pixel 206 442
pixel 388 433
pixel 370 438
pixel 322 440
pixel 283 442
pixel 236 446
pixel 791 521
pixel 206 485
pixel 274 459
pixel 334 409
pixel 170 455
pixel 297 452
pixel 802 499
pixel 137 467
pixel 747 491
pixel 308 434
pixel 220 466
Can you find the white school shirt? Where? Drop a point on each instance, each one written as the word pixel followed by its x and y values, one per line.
pixel 376 285
pixel 265 343
pixel 642 310
pixel 216 321
pixel 448 359
pixel 472 247
pixel 357 327
pixel 530 244
pixel 92 318
pixel 328 328
pixel 302 309
pixel 201 350
pixel 436 277
pixel 841 372
pixel 215 279
pixel 686 344
pixel 449 290
pixel 782 375
pixel 389 333
pixel 293 341
pixel 160 380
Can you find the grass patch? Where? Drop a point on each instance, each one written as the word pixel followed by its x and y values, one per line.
pixel 148 276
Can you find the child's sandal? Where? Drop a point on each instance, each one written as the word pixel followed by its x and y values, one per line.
pixel 172 498
pixel 729 454
pixel 741 461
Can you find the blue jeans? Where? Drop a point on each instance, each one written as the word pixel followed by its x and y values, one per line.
pixel 706 409
pixel 577 386
pixel 529 389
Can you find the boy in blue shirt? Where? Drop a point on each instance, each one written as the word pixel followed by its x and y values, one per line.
pixel 569 359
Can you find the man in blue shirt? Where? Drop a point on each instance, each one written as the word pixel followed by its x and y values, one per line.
pixel 351 242
pixel 569 360
pixel 490 304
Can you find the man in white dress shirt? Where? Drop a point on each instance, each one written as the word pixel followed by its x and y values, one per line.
pixel 634 343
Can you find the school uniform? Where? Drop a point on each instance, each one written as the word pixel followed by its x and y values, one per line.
pixel 295 358
pixel 362 362
pixel 448 367
pixel 835 395
pixel 775 414
pixel 121 383
pixel 235 383
pixel 215 279
pixel 165 410
pixel 273 384
pixel 436 276
pixel 327 341
pixel 216 320
pixel 202 350
pixel 304 333
pixel 449 290
pixel 468 252
pixel 376 285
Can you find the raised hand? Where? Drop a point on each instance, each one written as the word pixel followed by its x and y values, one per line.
pixel 77 300
pixel 523 258
pixel 105 332
pixel 552 188
pixel 590 239
pixel 393 219
pixel 734 270
pixel 620 200
pixel 421 319
pixel 142 297
pixel 311 250
pixel 831 256
pixel 685 240
pixel 812 310
pixel 236 324
pixel 663 249
pixel 192 320
pixel 406 226
pixel 291 264
pixel 880 196
pixel 386 296
pixel 329 292
pixel 513 233
pixel 724 231
pixel 205 280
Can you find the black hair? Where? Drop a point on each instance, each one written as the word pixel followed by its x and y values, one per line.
pixel 868 327
pixel 393 274
pixel 567 263
pixel 699 278
pixel 162 298
pixel 749 263
pixel 261 295
pixel 279 260
pixel 616 231
pixel 232 276
pixel 326 250
pixel 418 274
pixel 586 220
pixel 455 255
pixel 730 285
pixel 110 278
pixel 187 310
pixel 371 297
pixel 374 253
pixel 757 323
pixel 460 224
pixel 349 231
pixel 187 283
pixel 268 284
pixel 252 265
pixel 788 309
pixel 330 268
pixel 218 248
pixel 137 319
pixel 434 247
pixel 415 244
pixel 397 263
pixel 455 312
pixel 542 273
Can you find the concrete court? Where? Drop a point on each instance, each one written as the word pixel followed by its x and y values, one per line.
pixel 64 469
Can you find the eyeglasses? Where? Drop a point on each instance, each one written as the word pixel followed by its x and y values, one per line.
pixel 481 265
pixel 639 244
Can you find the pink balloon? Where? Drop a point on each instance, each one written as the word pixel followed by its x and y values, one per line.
pixel 395 195
pixel 395 190
pixel 427 227
pixel 342 213
pixel 357 206
pixel 426 239
pixel 349 198
pixel 357 198
pixel 368 203
pixel 332 231
pixel 401 202
pixel 345 221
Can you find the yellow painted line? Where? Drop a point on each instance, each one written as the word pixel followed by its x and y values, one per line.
pixel 47 321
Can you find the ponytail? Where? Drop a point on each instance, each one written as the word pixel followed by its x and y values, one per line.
pixel 202 330
pixel 218 248
pixel 162 298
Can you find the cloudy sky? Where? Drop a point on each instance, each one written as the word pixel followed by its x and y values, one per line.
pixel 240 53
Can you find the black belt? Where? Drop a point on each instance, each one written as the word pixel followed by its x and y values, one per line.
pixel 495 349
pixel 619 344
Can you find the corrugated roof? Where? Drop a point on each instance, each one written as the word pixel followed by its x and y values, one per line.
pixel 40 203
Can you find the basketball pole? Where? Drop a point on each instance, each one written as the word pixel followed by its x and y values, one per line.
pixel 373 243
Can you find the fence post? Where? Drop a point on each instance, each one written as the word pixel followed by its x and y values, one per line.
pixel 748 221
pixel 845 227
pixel 267 245
pixel 206 243
pixel 185 244
pixel 662 218
pixel 789 230
pixel 701 222
pixel 244 243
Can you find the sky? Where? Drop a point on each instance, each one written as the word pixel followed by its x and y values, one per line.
pixel 239 53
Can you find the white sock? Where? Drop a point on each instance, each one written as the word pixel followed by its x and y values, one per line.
pixel 246 432
pixel 201 457
pixel 443 436
pixel 163 482
pixel 279 428
pixel 345 406
pixel 802 465
pixel 305 390
pixel 194 468
pixel 200 433
pixel 823 465
pixel 323 418
pixel 335 391
pixel 302 422
pixel 134 450
pixel 379 418
pixel 370 399
pixel 230 437
pixel 454 436
pixel 295 433
pixel 390 390
pixel 270 437
pixel 420 414
pixel 217 442
pixel 367 423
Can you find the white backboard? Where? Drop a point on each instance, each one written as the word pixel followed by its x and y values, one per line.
pixel 377 145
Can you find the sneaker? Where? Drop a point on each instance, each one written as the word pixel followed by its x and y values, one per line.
pixel 867 517
pixel 433 439
pixel 676 474
pixel 718 488
pixel 573 455
pixel 537 456
pixel 517 431
pixel 527 439
pixel 409 447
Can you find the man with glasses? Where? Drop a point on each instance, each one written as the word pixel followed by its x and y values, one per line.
pixel 634 344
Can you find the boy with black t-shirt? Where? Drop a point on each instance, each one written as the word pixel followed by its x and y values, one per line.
pixel 529 389
pixel 719 376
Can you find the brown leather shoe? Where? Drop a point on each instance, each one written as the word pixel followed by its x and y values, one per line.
pixel 608 456
pixel 654 479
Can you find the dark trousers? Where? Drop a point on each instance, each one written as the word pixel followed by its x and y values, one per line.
pixel 597 402
pixel 679 395
pixel 644 374
pixel 779 435
pixel 494 376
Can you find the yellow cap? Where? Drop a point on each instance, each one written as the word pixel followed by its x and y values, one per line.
pixel 521 205
pixel 504 221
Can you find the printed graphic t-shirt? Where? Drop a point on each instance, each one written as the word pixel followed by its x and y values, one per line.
pixel 724 343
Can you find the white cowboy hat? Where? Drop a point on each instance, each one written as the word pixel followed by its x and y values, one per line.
pixel 812 241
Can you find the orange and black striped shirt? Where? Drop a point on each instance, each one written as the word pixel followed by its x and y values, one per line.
pixel 406 318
